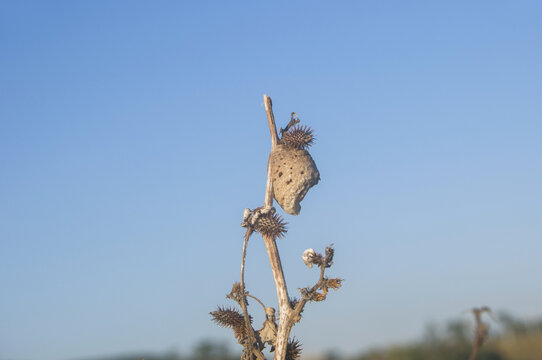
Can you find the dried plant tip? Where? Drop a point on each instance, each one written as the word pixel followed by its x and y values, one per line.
pixel 293 302
pixel 334 283
pixel 311 295
pixel 311 257
pixel 271 225
pixel 293 349
pixel 298 137
pixel 246 215
pixel 329 255
pixel 231 318
pixel 316 296
pixel 237 293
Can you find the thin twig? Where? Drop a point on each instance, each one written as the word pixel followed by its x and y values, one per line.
pixel 258 300
pixel 248 233
pixel 243 303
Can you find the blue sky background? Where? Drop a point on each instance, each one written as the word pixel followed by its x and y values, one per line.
pixel 133 135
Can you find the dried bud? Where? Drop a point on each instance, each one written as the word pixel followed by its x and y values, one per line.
pixel 329 255
pixel 237 293
pixel 334 283
pixel 246 215
pixel 316 296
pixel 310 257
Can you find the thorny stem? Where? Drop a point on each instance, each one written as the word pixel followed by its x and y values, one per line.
pixel 245 243
pixel 243 303
pixel 284 327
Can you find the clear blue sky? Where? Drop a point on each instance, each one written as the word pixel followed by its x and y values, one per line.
pixel 133 135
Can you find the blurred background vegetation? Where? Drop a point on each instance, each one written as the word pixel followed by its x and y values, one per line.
pixel 510 339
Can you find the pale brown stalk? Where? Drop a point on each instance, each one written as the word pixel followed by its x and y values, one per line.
pixel 271 246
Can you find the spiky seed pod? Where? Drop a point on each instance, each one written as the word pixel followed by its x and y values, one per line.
pixel 298 137
pixel 227 317
pixel 271 225
pixel 231 318
pixel 293 349
pixel 293 173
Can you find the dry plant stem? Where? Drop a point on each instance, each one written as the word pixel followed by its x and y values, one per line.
pixel 284 326
pixel 250 332
pixel 245 243
pixel 301 304
pixel 481 330
pixel 268 203
pixel 474 352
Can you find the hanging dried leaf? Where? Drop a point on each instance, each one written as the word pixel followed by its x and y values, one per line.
pixel 268 332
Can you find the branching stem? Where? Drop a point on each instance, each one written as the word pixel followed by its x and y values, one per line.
pixel 284 327
pixel 251 339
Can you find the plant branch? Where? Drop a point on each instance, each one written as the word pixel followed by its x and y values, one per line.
pixel 258 300
pixel 481 332
pixel 251 338
pixel 268 202
pixel 322 283
pixel 272 250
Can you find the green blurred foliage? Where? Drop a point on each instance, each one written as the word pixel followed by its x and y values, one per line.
pixel 509 339
pixel 204 350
